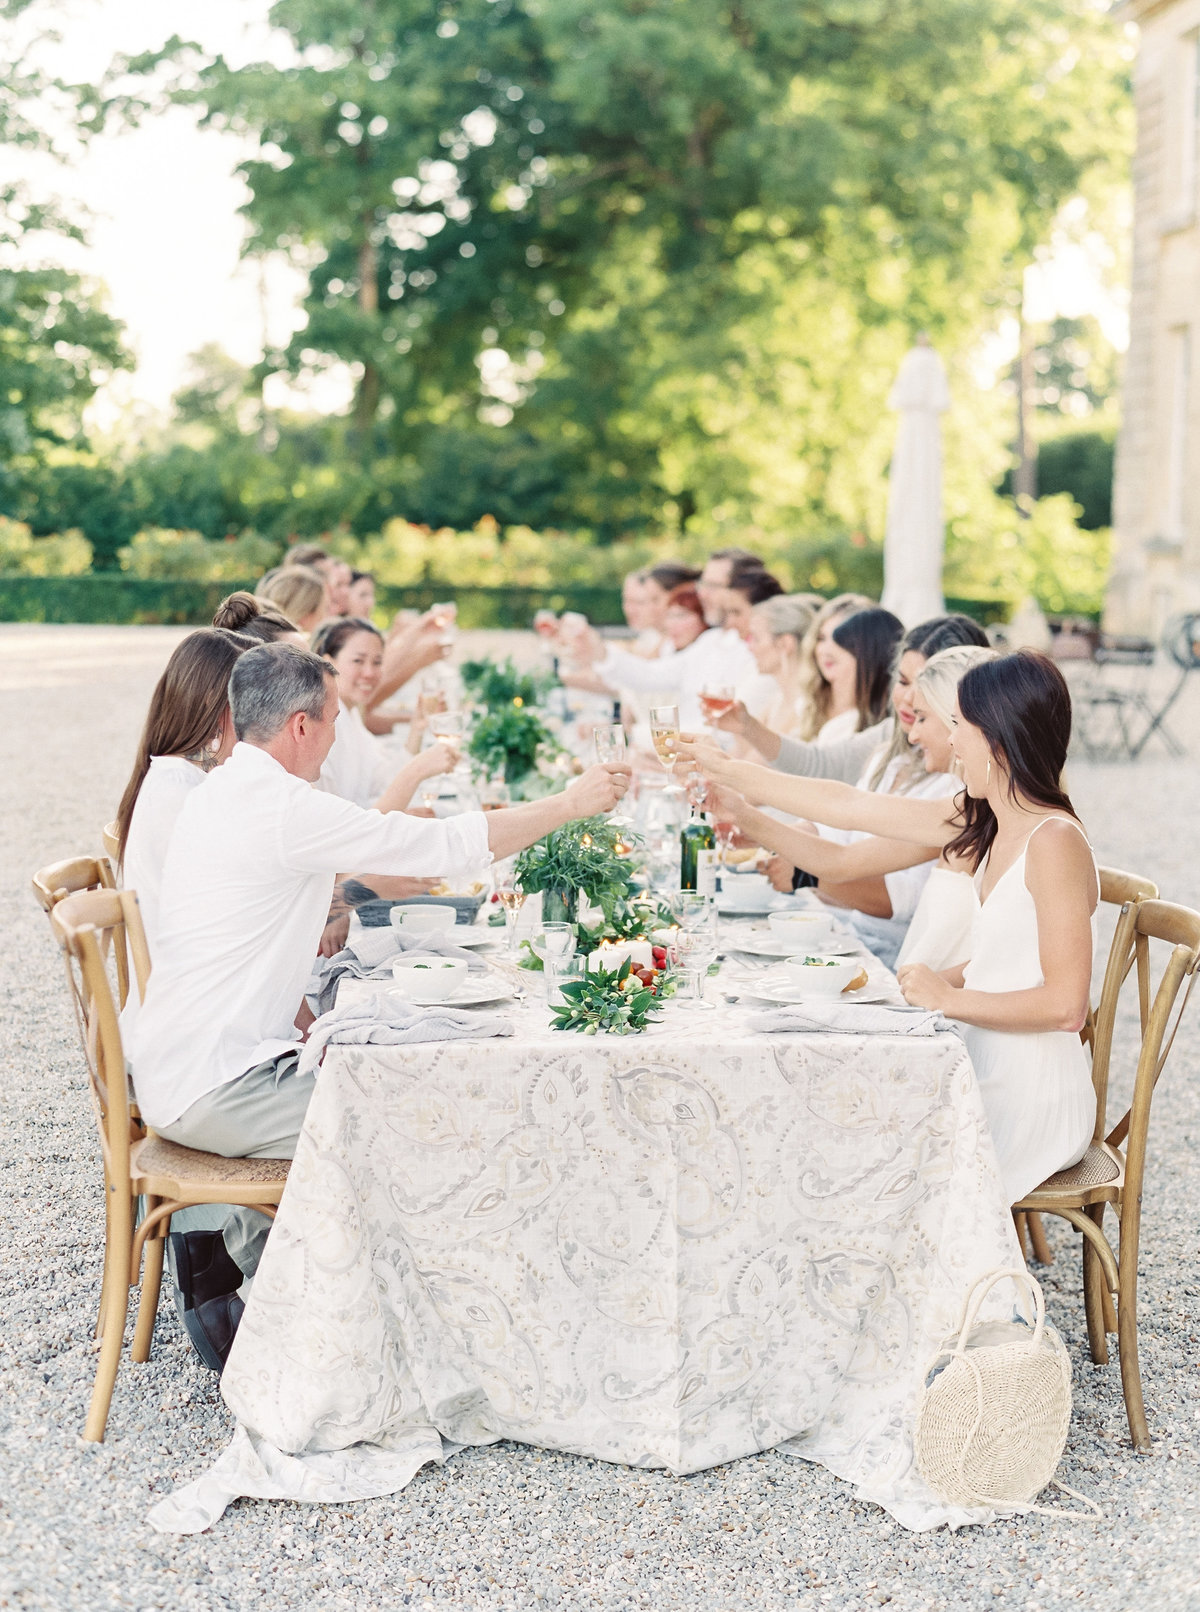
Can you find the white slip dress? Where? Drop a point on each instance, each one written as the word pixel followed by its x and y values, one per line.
pixel 1036 1087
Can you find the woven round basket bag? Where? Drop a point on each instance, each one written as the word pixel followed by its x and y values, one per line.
pixel 993 1421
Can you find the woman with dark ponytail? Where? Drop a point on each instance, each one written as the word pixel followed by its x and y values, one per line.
pixel 1021 995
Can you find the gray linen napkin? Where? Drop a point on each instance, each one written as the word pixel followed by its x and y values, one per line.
pixel 368 956
pixel 387 1020
pixel 850 1018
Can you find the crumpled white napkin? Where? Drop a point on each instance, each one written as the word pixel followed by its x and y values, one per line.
pixel 387 1020
pixel 365 955
pixel 850 1018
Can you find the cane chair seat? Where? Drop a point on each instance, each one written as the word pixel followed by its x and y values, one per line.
pixel 168 1170
pixel 1097 1178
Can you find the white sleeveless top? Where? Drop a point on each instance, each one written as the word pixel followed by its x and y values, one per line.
pixel 1036 1086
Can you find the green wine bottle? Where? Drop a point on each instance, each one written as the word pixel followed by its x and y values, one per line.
pixel 698 855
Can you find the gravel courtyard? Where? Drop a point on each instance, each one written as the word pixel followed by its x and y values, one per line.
pixel 509 1526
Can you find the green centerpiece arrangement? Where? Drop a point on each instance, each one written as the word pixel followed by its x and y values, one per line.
pixel 590 858
pixel 609 1000
pixel 508 736
pixel 495 684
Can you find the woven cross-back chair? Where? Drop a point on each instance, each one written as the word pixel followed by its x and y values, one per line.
pixel 166 1176
pixel 111 835
pixel 1112 1171
pixel 51 884
pixel 1116 889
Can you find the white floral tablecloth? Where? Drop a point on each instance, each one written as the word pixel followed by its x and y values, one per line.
pixel 667 1250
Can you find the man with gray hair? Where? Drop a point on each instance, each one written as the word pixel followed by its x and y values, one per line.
pixel 245 893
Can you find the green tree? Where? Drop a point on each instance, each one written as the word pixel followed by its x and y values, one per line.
pixel 679 248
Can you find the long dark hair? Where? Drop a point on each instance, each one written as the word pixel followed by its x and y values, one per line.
pixel 186 708
pixel 1022 706
pixel 332 636
pixel 871 637
pixel 928 638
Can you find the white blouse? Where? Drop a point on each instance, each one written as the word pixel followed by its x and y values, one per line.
pixel 355 768
pixel 165 787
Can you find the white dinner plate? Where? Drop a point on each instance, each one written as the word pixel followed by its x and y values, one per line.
pixel 762 943
pixel 471 936
pixel 783 994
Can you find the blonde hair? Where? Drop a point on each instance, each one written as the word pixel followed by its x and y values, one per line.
pixel 815 693
pixel 297 590
pixel 941 674
pixel 789 615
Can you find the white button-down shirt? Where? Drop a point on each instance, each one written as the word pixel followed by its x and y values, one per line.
pixel 716 657
pixel 245 895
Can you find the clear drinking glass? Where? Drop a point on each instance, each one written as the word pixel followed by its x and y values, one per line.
pixel 696 949
pixel 609 740
pixel 664 731
pixel 511 898
pixel 554 944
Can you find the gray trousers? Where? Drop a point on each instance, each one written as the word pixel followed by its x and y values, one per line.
pixel 256 1116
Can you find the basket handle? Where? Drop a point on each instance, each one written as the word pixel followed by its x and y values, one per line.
pixel 980 1290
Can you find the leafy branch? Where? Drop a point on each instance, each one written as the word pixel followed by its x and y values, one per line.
pixel 605 999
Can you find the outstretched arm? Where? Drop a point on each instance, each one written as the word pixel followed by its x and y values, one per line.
pixel 929 823
pixel 839 864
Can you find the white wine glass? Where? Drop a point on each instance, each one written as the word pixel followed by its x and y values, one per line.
pixel 664 732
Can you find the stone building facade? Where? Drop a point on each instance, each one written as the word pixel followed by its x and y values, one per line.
pixel 1156 496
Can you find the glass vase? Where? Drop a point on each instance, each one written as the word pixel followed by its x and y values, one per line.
pixel 560 906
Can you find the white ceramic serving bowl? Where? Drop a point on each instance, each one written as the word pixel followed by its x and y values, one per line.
pixel 827 977
pixel 808 929
pixel 424 918
pixel 745 892
pixel 425 979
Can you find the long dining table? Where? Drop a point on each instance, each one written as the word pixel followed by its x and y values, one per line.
pixel 666 1250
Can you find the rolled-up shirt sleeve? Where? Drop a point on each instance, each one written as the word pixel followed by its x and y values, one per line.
pixel 322 833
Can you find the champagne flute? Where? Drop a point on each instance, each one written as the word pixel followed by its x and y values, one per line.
pixel 609 740
pixel 664 731
pixel 511 898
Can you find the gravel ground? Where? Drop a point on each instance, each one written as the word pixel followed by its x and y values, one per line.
pixel 507 1526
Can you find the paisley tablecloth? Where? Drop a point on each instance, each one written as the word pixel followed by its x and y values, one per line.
pixel 667 1250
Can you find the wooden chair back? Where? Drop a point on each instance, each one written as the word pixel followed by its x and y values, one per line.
pixel 1128 950
pixel 90 926
pixel 111 835
pixel 54 883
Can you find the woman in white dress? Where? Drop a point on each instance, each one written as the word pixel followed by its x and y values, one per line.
pixel 1022 995
pixel 773 636
pixel 356 767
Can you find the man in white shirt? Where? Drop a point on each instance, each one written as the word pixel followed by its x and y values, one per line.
pixel 245 893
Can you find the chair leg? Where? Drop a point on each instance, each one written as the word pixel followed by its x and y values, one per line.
pixel 1037 1239
pixel 1095 1292
pixel 1020 1222
pixel 118 1237
pixel 143 1335
pixel 1127 1338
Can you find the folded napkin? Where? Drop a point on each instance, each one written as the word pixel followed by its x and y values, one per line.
pixel 368 955
pixel 387 1021
pixel 850 1018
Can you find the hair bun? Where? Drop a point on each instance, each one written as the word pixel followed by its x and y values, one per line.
pixel 234 612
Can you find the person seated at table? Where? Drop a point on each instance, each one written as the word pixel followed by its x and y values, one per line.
pixel 715 577
pixel 334 572
pixel 846 758
pixel 188 731
pixel 256 618
pixel 410 644
pixel 1021 995
pixel 882 883
pixel 299 593
pixel 774 633
pixel 748 586
pixel 360 595
pixel 356 767
pixel 245 892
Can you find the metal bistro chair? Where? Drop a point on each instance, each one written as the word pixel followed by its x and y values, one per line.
pixel 168 1177
pixel 1112 1171
pixel 1126 710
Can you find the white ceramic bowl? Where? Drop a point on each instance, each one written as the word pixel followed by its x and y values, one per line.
pixel 746 892
pixel 826 976
pixel 423 918
pixel 806 928
pixel 425 979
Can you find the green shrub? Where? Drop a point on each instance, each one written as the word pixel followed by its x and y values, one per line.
pixel 63 554
pixel 158 552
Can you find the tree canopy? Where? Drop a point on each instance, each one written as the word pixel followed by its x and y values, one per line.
pixel 660 256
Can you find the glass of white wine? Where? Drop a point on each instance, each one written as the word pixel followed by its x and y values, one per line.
pixel 609 739
pixel 664 731
pixel 511 898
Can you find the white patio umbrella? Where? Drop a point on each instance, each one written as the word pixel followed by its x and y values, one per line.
pixel 912 551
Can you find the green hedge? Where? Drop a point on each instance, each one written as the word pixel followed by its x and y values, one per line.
pixel 110 597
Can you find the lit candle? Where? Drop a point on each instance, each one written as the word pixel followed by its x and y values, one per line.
pixel 610 954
